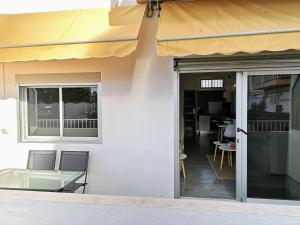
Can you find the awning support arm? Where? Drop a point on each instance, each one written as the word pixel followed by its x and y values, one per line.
pixel 231 34
pixel 131 38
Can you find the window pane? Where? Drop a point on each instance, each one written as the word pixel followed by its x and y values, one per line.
pixel 43 111
pixel 80 112
pixel 273 137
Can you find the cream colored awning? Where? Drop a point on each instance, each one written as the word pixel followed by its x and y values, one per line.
pixel 228 26
pixel 70 34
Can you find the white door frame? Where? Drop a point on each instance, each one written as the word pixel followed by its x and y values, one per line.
pixel 239 137
pixel 239 155
pixel 244 115
pixel 242 69
pixel 176 135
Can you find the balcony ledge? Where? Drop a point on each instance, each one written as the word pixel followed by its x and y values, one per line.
pixel 208 205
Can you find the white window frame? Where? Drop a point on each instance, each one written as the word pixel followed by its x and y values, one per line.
pixel 23 114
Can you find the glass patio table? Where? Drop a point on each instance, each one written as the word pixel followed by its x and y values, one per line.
pixel 38 180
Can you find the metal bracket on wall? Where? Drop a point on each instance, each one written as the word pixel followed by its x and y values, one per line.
pixel 152 6
pixel 175 65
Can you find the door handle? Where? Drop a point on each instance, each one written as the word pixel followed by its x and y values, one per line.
pixel 241 130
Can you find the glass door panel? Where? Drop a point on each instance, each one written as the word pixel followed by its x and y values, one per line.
pixel 273 140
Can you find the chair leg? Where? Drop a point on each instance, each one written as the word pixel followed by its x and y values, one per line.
pixel 183 168
pixel 228 158
pixel 216 148
pixel 180 165
pixel 222 158
pixel 73 188
pixel 221 135
pixel 85 179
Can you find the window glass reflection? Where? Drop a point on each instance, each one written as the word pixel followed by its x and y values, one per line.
pixel 43 111
pixel 80 112
pixel 273 137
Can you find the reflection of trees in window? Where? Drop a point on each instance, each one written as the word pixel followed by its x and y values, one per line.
pixel 94 102
pixel 47 103
pixel 76 95
pixel 80 103
pixel 47 95
pixel 259 107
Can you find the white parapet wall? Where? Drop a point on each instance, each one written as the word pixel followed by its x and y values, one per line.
pixel 30 208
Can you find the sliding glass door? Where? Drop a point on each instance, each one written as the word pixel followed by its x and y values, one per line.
pixel 270 132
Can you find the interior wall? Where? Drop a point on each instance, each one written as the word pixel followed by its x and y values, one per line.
pixel 204 97
pixel 137 154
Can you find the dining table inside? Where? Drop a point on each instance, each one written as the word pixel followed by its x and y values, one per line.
pixel 38 180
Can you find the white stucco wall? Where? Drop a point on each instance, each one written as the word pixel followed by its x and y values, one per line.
pixel 137 154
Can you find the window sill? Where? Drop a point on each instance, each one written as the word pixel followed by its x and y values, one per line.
pixel 98 141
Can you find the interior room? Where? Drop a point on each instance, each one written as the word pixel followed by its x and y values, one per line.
pixel 207 135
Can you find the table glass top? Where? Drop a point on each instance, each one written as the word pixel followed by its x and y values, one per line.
pixel 43 180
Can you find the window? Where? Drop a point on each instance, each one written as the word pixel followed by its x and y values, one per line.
pixel 59 113
pixel 212 83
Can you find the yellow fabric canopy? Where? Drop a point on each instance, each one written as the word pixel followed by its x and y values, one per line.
pixel 70 34
pixel 228 26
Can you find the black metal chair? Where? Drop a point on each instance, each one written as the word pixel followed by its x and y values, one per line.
pixel 75 161
pixel 41 159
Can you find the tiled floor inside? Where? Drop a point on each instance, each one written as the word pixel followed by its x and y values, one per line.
pixel 201 180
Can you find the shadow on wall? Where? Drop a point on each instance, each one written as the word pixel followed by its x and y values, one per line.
pixel 152 71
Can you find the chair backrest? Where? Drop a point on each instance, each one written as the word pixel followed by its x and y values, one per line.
pixel 230 131
pixel 181 147
pixel 74 160
pixel 41 159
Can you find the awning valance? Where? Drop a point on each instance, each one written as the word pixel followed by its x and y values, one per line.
pixel 76 34
pixel 228 26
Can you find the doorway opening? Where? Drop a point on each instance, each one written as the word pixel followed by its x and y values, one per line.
pixel 207 136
